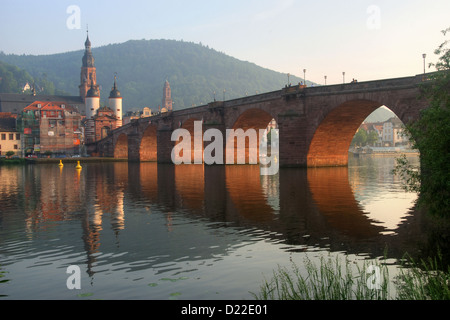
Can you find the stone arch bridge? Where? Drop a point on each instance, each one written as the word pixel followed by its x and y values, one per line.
pixel 316 124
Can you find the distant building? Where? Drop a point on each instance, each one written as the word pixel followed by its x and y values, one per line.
pixel 92 105
pixel 167 102
pixel 15 103
pixel 104 122
pixel 115 103
pixel 391 133
pixel 146 112
pixel 396 133
pixel 133 115
pixel 50 127
pixel 10 138
pixel 26 87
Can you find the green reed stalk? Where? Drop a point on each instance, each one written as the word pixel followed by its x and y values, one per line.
pixel 424 280
pixel 331 280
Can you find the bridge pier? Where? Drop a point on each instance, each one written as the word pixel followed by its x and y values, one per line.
pixel 222 129
pixel 165 145
pixel 293 145
pixel 134 142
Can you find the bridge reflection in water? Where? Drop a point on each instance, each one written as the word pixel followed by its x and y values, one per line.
pixel 300 205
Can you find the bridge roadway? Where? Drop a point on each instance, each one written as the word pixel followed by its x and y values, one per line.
pixel 316 124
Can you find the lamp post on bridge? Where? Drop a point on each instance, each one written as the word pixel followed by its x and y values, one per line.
pixel 325 80
pixel 343 76
pixel 424 56
pixel 304 76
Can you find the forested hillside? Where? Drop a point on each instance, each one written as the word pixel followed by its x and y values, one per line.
pixel 15 80
pixel 195 72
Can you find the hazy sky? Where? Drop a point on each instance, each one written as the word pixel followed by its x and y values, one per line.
pixel 366 39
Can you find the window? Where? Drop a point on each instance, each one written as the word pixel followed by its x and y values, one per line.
pixel 11 136
pixel 17 136
pixel 16 147
pixel 3 136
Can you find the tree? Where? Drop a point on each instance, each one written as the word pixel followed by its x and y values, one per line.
pixel 430 135
pixel 372 137
pixel 9 154
pixel 360 138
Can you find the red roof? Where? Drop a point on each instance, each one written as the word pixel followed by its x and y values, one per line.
pixel 49 105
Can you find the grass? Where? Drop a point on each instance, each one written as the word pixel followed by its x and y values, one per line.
pixel 2 275
pixel 332 279
pixel 424 280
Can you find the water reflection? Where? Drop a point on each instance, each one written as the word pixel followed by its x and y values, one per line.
pixel 384 203
pixel 334 197
pixel 132 217
pixel 327 200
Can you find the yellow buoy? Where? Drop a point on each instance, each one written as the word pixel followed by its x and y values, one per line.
pixel 60 163
pixel 78 165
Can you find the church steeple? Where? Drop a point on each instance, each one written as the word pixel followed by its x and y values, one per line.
pixel 88 58
pixel 87 44
pixel 167 102
pixel 88 75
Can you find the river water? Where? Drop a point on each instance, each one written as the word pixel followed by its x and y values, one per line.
pixel 161 232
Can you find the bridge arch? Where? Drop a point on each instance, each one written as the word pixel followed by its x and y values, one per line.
pixel 121 147
pixel 334 134
pixel 251 119
pixel 148 148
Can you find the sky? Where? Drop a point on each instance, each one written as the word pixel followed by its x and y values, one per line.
pixel 366 39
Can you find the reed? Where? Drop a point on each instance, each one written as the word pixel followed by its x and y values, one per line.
pixel 333 279
pixel 330 280
pixel 424 280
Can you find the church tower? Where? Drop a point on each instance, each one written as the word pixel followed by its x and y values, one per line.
pixel 88 77
pixel 92 106
pixel 115 103
pixel 167 102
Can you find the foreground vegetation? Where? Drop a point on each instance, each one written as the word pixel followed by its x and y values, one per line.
pixel 333 280
pixel 430 135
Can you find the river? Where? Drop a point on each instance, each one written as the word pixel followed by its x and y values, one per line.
pixel 161 232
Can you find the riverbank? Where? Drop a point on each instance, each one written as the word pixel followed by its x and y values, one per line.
pixel 385 154
pixel 382 152
pixel 73 160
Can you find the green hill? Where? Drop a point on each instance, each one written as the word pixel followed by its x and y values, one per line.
pixel 194 71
